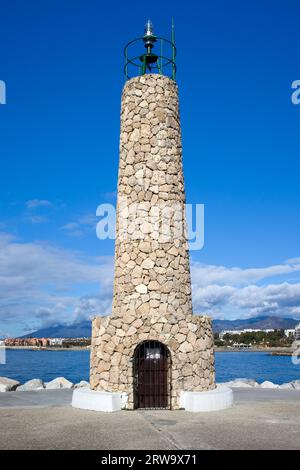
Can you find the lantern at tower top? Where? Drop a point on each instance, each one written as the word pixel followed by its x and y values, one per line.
pixel 159 56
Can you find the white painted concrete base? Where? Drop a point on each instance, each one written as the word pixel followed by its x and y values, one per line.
pixel 88 399
pixel 218 399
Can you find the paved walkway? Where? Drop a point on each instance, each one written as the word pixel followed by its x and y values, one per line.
pixel 38 398
pixel 260 419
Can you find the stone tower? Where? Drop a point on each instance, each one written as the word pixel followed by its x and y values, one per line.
pixel 152 315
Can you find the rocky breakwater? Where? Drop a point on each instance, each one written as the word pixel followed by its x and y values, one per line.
pixel 251 383
pixel 10 385
pixel 7 385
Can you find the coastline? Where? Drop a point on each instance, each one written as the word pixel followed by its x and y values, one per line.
pixel 273 364
pixel 286 351
pixel 273 350
pixel 52 348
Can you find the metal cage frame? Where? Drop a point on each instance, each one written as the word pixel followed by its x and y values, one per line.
pixel 162 60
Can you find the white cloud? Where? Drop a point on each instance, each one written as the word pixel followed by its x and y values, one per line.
pixel 70 226
pixel 34 207
pixel 111 195
pixel 294 260
pixel 212 295
pixel 41 285
pixel 210 274
pixel 84 224
pixel 36 203
pixel 246 292
pixel 35 219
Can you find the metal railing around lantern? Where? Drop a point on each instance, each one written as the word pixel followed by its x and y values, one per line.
pixel 149 62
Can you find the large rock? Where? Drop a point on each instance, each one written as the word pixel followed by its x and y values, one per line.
pixel 81 384
pixel 249 382
pixel 59 382
pixel 226 384
pixel 240 384
pixel 268 384
pixel 286 386
pixel 34 384
pixel 8 385
pixel 296 384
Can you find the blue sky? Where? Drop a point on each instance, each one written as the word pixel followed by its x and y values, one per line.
pixel 62 62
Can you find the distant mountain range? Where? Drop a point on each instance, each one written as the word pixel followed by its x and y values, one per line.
pixel 255 323
pixel 76 330
pixel 83 329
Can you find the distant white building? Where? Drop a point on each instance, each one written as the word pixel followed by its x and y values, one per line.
pixel 290 332
pixel 2 352
pixel 241 346
pixel 229 332
pixel 250 330
pixel 245 330
pixel 56 341
pixel 293 332
pixel 297 331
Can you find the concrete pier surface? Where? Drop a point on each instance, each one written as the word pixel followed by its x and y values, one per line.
pixel 259 419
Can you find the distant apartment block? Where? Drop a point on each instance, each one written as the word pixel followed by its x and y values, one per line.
pixel 38 342
pixel 289 333
pixel 56 341
pixel 245 330
pixel 47 342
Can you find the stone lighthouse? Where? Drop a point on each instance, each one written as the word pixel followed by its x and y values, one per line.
pixel 151 348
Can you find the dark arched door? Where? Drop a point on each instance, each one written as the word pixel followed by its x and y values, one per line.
pixel 151 380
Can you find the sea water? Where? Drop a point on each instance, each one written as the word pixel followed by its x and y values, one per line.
pixel 24 365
